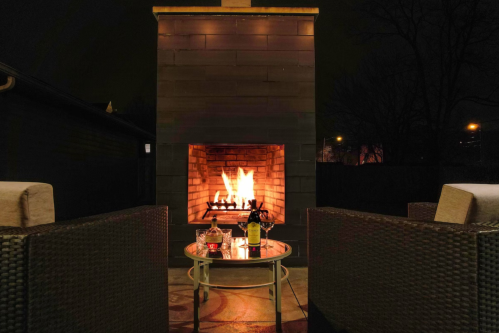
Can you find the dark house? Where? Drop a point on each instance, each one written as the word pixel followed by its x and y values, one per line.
pixel 95 161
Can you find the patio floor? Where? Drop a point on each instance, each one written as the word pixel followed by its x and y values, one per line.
pixel 247 310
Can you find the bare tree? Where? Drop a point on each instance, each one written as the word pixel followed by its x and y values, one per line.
pixel 379 106
pixel 429 57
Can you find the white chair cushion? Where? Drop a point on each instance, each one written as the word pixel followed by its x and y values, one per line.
pixel 468 203
pixel 26 204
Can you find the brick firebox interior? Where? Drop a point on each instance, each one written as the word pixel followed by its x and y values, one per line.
pixel 206 164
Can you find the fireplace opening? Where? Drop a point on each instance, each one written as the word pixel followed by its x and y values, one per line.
pixel 222 178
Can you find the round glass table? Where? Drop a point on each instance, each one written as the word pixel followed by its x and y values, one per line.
pixel 237 255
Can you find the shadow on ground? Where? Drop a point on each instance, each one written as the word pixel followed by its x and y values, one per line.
pixel 248 310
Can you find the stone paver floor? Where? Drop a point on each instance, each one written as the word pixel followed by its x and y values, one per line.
pixel 248 310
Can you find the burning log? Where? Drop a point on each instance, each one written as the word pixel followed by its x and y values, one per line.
pixel 241 195
pixel 231 207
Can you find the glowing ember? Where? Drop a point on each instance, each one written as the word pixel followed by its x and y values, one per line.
pixel 243 189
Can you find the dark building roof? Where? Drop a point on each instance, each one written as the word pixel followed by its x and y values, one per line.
pixel 101 106
pixel 44 91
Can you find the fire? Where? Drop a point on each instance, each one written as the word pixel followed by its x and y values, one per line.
pixel 216 199
pixel 227 186
pixel 244 189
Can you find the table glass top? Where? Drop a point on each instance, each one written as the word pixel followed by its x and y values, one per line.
pixel 236 253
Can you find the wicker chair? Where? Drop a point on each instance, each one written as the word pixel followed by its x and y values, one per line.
pixel 377 273
pixel 99 274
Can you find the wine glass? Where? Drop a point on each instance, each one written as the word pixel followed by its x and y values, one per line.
pixel 244 227
pixel 267 225
pixel 200 237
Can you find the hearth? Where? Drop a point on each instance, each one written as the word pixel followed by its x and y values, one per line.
pixel 223 178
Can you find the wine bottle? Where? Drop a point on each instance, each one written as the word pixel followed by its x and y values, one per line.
pixel 215 254
pixel 254 231
pixel 214 236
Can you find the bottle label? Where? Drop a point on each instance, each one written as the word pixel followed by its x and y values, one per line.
pixel 214 239
pixel 254 233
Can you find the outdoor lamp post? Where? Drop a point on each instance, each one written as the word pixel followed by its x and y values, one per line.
pixel 477 127
pixel 473 126
pixel 338 138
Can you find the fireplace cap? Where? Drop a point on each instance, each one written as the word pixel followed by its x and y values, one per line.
pixel 212 10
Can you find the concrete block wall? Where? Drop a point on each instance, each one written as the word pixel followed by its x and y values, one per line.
pixel 94 165
pixel 237 79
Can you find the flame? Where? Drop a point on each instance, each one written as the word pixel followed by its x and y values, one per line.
pixel 227 185
pixel 216 196
pixel 244 190
pixel 245 187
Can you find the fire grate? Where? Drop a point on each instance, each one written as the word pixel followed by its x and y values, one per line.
pixel 219 205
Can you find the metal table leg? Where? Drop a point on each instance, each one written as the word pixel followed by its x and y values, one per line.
pixel 271 278
pixel 196 294
pixel 277 281
pixel 206 279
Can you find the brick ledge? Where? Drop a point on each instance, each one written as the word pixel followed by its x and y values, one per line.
pixel 157 10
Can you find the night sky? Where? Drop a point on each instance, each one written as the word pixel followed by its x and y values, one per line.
pixel 106 50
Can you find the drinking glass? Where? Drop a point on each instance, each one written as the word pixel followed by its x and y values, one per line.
pixel 244 227
pixel 267 225
pixel 200 237
pixel 227 236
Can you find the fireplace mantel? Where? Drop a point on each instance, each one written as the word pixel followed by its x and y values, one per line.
pixel 212 10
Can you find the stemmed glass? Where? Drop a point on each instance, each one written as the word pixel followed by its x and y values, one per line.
pixel 267 225
pixel 244 227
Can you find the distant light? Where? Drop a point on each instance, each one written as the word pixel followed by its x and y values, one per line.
pixel 339 139
pixel 148 148
pixel 472 126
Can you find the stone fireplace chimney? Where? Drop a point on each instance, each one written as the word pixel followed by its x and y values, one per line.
pixel 236 90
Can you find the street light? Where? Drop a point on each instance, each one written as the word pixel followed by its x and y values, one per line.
pixel 477 127
pixel 338 138
pixel 473 126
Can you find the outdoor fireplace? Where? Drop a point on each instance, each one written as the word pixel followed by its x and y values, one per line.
pixel 235 96
pixel 223 178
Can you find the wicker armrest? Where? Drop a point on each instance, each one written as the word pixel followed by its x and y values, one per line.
pixel 376 273
pixel 422 210
pixel 104 273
